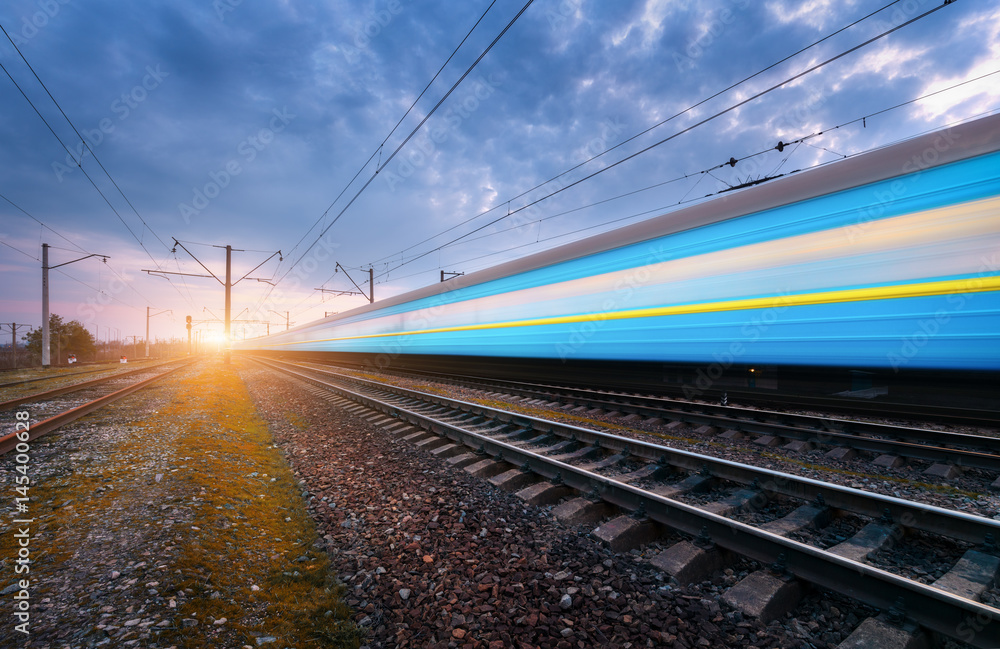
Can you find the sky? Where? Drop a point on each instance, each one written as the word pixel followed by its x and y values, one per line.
pixel 258 125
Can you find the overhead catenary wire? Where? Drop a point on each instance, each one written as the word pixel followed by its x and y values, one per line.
pixel 95 289
pixel 700 174
pixel 30 256
pixel 77 248
pixel 690 128
pixel 406 140
pixel 44 225
pixel 378 151
pixel 84 141
pixel 649 129
pixel 85 173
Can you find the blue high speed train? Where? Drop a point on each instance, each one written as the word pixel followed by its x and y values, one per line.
pixel 885 262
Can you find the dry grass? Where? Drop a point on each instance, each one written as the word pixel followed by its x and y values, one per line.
pixel 253 528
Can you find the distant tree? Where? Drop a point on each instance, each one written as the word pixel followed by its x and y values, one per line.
pixel 65 338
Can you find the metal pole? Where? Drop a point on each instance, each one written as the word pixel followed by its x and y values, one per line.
pixel 46 361
pixel 147 332
pixel 229 288
pixel 371 285
pixel 13 342
pixel 288 321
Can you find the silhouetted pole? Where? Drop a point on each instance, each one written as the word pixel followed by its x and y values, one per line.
pixel 148 316
pixel 371 285
pixel 13 339
pixel 46 361
pixel 45 297
pixel 229 289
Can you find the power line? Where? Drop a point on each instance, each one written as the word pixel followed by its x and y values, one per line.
pixel 84 141
pixel 800 140
pixel 32 217
pixel 386 139
pixel 684 130
pixel 407 139
pixel 21 251
pixel 78 247
pixel 647 130
pixel 87 175
pixel 84 171
pixel 98 290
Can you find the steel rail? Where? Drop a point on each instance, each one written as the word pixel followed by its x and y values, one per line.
pixel 928 518
pixel 9 442
pixel 916 443
pixel 48 394
pixel 964 416
pixel 930 607
pixel 14 384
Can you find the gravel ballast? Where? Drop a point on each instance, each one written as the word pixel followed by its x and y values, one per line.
pixel 436 558
pixel 229 506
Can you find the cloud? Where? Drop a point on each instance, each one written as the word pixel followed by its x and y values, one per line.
pixel 972 99
pixel 815 14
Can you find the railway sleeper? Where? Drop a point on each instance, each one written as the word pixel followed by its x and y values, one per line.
pixel 691 562
pixel 625 532
pixel 520 434
pixel 607 462
pixel 735 502
pixel 584 453
pixel 582 511
pixel 870 539
pixel 973 575
pixel 765 594
pixel 563 447
pixel 515 479
pixel 486 468
pixel 692 484
pixel 815 515
pixel 649 471
pixel 463 459
pixel 880 632
pixel 544 493
pixel 450 449
pixel 542 439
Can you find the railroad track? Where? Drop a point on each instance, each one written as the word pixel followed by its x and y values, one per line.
pixel 53 377
pixel 547 461
pixel 53 409
pixel 946 449
pixel 761 402
pixel 57 377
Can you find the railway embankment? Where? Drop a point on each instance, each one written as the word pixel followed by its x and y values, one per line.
pixel 167 519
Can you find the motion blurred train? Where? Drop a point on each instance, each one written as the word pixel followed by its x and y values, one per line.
pixel 881 269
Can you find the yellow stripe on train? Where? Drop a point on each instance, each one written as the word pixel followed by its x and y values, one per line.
pixel 925 289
